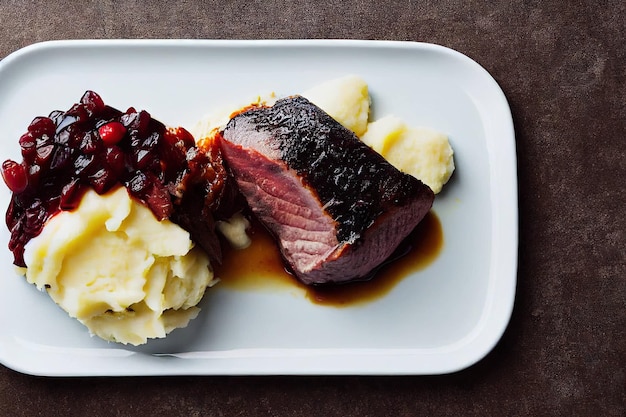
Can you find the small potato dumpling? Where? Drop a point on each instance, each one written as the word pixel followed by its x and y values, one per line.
pixel 422 152
pixel 345 99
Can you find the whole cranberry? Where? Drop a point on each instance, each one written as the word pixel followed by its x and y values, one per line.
pixel 112 132
pixel 41 126
pixel 14 176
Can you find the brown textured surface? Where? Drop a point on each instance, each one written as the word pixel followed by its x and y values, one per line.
pixel 562 66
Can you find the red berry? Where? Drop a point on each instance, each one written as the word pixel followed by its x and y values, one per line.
pixel 44 154
pixel 70 195
pixel 14 176
pixel 180 135
pixel 42 126
pixel 115 160
pixel 29 147
pixel 93 101
pixel 112 132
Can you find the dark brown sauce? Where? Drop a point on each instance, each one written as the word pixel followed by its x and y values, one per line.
pixel 260 268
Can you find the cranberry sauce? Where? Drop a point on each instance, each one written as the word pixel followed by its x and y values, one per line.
pixel 93 145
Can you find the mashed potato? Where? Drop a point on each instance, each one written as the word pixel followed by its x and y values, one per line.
pixel 119 271
pixel 422 152
pixel 216 120
pixel 345 99
pixel 234 230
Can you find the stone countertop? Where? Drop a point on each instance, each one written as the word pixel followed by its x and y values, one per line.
pixel 562 66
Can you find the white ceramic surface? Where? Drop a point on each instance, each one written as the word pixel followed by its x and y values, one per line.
pixel 439 320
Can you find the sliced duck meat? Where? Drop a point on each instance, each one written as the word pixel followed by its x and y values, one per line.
pixel 336 207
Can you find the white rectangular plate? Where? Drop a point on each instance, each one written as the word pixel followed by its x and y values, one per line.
pixel 439 320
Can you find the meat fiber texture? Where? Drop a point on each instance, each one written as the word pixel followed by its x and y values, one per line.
pixel 336 207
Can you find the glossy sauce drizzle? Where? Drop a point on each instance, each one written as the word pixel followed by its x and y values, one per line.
pixel 260 268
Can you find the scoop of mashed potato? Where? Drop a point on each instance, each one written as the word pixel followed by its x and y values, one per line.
pixel 118 270
pixel 345 99
pixel 419 151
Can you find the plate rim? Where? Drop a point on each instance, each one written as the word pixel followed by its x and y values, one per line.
pixel 496 314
